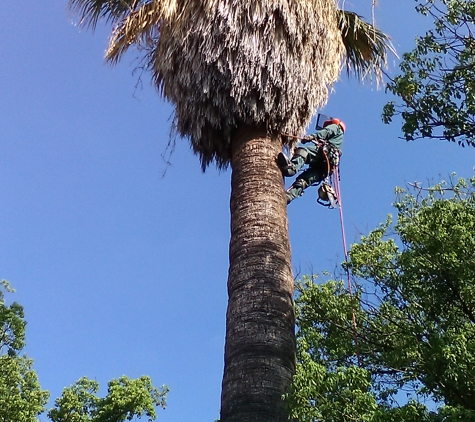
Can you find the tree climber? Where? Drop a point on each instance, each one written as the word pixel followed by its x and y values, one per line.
pixel 321 156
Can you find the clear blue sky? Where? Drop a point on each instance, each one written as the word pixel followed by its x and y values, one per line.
pixel 122 271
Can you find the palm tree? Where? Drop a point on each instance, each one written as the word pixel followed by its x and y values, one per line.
pixel 240 74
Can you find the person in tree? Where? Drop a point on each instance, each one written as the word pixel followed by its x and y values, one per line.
pixel 322 155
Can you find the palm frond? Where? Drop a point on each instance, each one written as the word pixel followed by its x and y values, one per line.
pixel 224 64
pixel 366 46
pixel 90 11
pixel 138 26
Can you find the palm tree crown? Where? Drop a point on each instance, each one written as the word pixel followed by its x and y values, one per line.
pixel 223 64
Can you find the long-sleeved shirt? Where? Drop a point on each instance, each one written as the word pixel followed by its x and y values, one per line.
pixel 333 134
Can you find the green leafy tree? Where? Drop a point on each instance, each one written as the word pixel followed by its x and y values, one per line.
pixel 240 75
pixel 21 397
pixel 126 399
pixel 12 323
pixel 415 336
pixel 23 400
pixel 437 81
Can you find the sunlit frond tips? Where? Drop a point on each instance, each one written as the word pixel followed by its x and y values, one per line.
pixel 366 46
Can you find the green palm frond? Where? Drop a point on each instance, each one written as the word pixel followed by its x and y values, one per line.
pixel 366 46
pixel 90 11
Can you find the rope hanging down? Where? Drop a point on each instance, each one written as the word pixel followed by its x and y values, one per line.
pixel 336 179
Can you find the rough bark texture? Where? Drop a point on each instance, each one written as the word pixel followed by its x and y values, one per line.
pixel 260 340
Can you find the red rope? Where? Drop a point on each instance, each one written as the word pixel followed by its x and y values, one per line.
pixel 345 250
pixel 350 289
pixel 288 135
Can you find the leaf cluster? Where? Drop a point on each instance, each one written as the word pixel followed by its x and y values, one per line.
pixel 126 399
pixel 437 79
pixel 412 354
pixel 22 399
pixel 328 384
pixel 12 323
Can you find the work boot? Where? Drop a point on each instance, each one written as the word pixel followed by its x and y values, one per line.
pixel 286 166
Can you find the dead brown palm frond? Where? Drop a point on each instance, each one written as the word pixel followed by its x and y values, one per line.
pixel 90 11
pixel 366 46
pixel 140 24
pixel 225 64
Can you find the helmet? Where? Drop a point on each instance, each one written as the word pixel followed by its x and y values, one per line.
pixel 335 122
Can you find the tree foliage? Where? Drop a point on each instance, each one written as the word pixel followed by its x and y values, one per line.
pixel 126 398
pixel 437 80
pixel 12 323
pixel 21 397
pixel 415 313
pixel 23 400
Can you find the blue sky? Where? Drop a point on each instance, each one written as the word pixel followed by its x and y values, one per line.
pixel 123 271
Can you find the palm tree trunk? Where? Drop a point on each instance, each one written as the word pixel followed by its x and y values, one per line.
pixel 259 358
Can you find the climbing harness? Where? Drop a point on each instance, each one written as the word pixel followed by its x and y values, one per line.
pixel 326 194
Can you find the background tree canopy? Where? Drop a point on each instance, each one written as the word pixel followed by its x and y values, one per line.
pixel 23 400
pixel 415 311
pixel 436 84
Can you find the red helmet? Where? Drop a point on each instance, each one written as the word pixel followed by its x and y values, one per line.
pixel 335 122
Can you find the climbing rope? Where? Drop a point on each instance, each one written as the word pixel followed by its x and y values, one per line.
pixel 326 157
pixel 288 135
pixel 336 179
